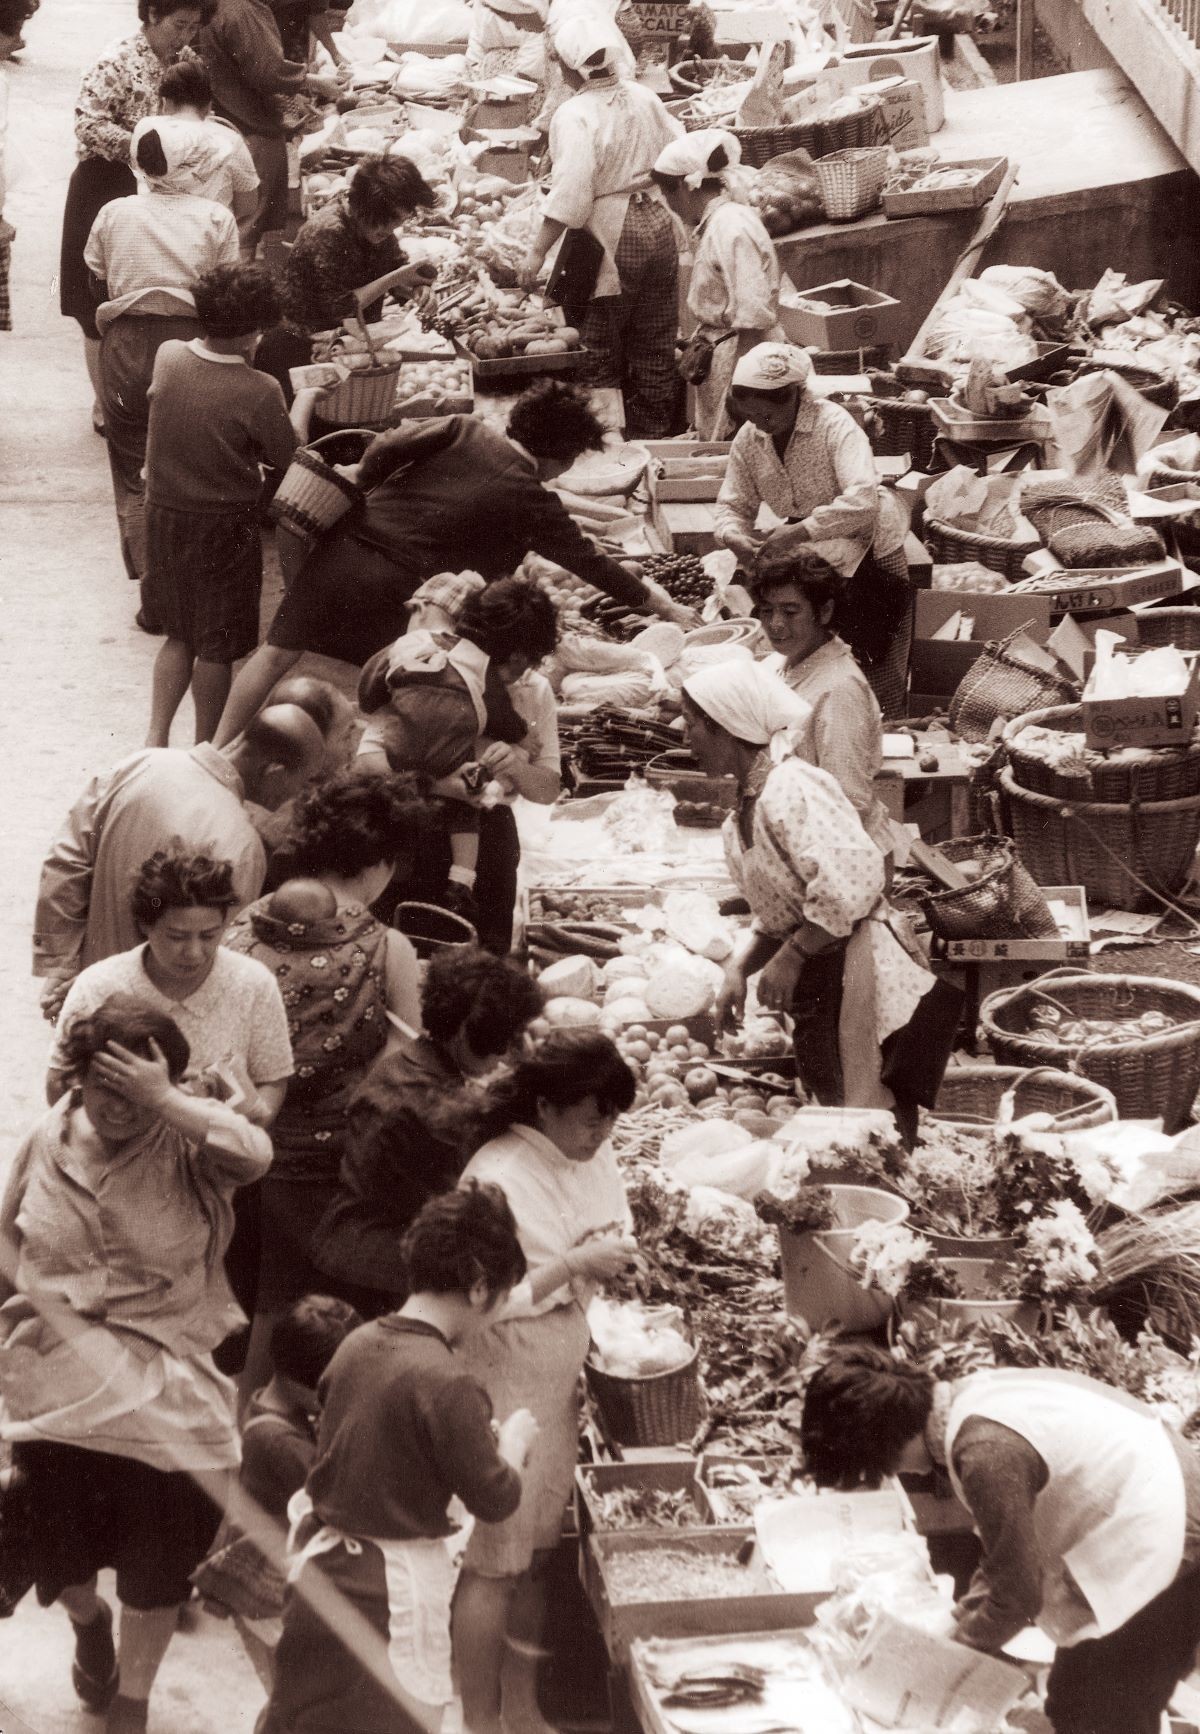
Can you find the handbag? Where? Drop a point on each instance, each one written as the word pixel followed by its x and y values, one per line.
pixel 576 269
pixel 694 361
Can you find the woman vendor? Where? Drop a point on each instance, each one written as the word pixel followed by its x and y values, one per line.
pixel 734 291
pixel 1087 1505
pixel 507 36
pixel 604 142
pixel 872 1028
pixel 810 463
pixel 549 1154
pixel 448 494
pixel 794 604
pixel 347 248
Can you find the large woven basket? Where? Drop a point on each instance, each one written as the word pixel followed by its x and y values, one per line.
pixel 950 543
pixel 818 137
pixel 897 427
pixel 1158 774
pixel 366 396
pixel 999 686
pixel 851 181
pixel 1003 903
pixel 650 1409
pixel 1179 626
pixel 1126 855
pixel 313 497
pixel 432 929
pixel 971 1096
pixel 1148 1075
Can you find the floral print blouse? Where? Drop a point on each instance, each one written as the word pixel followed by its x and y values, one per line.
pixel 121 89
pixel 332 977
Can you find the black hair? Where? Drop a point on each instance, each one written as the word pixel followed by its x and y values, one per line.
pixel 151 158
pixel 554 420
pixel 306 1338
pixel 814 577
pixel 234 300
pixel 509 616
pixel 488 998
pixel 860 1411
pixel 316 698
pixel 165 8
pixel 565 1068
pixel 172 879
pixel 462 1238
pixel 187 85
pixel 272 741
pixel 354 820
pixel 384 189
pixel 14 13
pixel 134 1024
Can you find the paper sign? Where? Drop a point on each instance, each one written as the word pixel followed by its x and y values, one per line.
pixel 908 1678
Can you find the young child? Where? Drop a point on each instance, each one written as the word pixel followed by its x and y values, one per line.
pixel 305 900
pixel 439 702
pixel 402 1432
pixel 279 1441
pixel 214 420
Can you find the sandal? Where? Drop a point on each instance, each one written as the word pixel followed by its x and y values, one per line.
pixel 96 1685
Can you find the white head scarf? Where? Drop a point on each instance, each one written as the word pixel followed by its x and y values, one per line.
pixel 751 702
pixel 773 367
pixel 190 147
pixel 578 40
pixel 690 158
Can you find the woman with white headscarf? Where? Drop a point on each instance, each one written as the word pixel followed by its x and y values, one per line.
pixel 810 464
pixel 145 251
pixel 822 943
pixel 604 142
pixel 734 290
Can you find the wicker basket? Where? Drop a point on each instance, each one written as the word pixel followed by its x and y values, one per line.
pixel 312 497
pixel 818 137
pixel 971 1096
pixel 950 543
pixel 365 396
pixel 1103 845
pixel 901 427
pixel 1104 544
pixel 998 686
pixel 1003 903
pixel 433 929
pixel 690 77
pixel 1148 1075
pixel 1160 774
pixel 851 182
pixel 1179 626
pixel 1154 385
pixel 650 1409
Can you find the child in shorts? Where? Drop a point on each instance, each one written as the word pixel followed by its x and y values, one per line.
pixel 214 422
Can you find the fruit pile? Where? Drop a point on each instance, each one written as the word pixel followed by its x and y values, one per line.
pixel 682 576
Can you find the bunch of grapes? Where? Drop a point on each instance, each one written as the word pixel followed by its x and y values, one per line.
pixel 682 576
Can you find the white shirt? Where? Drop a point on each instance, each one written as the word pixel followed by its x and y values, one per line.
pixel 232 170
pixel 148 249
pixel 735 272
pixel 844 734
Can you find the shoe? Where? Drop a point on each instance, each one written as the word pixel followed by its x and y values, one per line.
pixel 94 1672
pixel 139 619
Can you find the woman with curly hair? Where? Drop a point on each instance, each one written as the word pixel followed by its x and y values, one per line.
pixel 228 1007
pixel 340 972
pixel 113 1228
pixel 414 1122
pixel 445 495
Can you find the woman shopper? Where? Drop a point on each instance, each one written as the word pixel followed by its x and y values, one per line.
pixel 225 170
pixel 1086 1502
pixel 146 250
pixel 604 142
pixel 404 1430
pixel 795 604
pixel 733 294
pixel 227 1007
pixel 810 464
pixel 872 1028
pixel 112 1229
pixel 340 973
pixel 445 495
pixel 122 88
pixel 548 1153
pixel 414 1122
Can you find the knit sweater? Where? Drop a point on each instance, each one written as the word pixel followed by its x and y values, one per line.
pixel 213 421
pixel 243 50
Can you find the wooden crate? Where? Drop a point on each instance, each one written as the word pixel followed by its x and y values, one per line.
pixel 672 1474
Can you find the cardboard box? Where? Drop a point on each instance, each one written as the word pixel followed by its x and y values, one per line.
pixel 1103 590
pixel 838 315
pixel 674 456
pixel 903 112
pixel 1161 721
pixel 915 58
pixel 1074 942
pixel 663 18
pixel 937 665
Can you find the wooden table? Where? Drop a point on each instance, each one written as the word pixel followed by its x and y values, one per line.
pixel 936 801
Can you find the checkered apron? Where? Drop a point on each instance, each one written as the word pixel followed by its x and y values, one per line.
pixel 631 336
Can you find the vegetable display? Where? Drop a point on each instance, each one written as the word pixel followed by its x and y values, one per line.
pixel 1055 1023
pixel 682 576
pixel 645 1508
pixel 669 1574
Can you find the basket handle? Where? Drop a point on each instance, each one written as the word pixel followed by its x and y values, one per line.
pixel 1048 1072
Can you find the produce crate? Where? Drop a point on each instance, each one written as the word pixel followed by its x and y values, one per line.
pixel 1074 944
pixel 839 315
pixel 1103 590
pixel 621 1622
pixel 675 456
pixel 915 203
pixel 671 1474
pixel 522 366
pixel 959 424
pixel 717 1498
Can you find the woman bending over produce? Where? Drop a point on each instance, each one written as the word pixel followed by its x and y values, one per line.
pixel 822 942
pixel 549 1155
pixel 810 463
pixel 734 290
